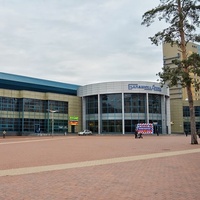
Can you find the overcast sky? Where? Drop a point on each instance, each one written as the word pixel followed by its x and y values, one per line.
pixel 78 41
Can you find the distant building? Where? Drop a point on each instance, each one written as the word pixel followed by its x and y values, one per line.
pixel 180 115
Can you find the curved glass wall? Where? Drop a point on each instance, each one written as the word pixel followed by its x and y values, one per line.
pixel 155 115
pixel 134 111
pixel 92 113
pixel 111 112
pixel 134 103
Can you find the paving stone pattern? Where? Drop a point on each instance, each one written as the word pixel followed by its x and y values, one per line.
pixel 99 168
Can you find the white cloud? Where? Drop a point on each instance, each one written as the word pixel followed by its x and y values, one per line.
pixel 78 41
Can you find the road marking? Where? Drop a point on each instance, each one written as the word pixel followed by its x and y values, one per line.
pixel 38 169
pixel 33 140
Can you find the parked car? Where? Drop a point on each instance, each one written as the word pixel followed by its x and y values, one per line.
pixel 85 132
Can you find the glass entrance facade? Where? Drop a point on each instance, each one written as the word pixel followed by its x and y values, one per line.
pixel 109 112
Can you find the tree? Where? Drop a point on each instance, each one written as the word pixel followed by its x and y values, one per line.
pixel 183 17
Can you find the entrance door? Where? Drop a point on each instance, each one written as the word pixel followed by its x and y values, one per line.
pixel 73 128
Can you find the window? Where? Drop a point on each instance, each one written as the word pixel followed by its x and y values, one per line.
pixel 154 103
pixel 111 103
pixel 134 103
pixel 92 104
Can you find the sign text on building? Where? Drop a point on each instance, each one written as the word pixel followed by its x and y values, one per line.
pixel 144 87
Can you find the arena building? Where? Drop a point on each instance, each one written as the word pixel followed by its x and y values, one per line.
pixel 117 107
pixel 31 106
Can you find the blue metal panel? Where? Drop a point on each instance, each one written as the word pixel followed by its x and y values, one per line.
pixel 17 82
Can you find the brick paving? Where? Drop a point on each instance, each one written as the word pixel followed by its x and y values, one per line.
pixel 99 168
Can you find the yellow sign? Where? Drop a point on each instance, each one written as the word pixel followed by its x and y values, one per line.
pixel 73 123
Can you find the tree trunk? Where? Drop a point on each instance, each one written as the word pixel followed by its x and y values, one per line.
pixel 192 117
pixel 185 69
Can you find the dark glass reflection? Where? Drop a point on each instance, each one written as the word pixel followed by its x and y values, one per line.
pixel 111 103
pixel 154 103
pixel 134 103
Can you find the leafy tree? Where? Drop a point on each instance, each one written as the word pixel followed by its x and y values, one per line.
pixel 183 19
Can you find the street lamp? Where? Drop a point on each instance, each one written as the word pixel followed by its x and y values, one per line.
pixel 52 112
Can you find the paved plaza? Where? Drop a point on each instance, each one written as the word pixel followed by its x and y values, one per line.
pixel 99 168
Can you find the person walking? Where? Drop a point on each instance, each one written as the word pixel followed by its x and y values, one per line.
pixel 4 134
pixel 186 133
pixel 157 131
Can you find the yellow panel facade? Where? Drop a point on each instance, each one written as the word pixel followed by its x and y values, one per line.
pixel 9 93
pixel 176 111
pixel 178 95
pixel 74 105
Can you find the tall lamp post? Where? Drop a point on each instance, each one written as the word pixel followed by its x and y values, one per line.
pixel 52 112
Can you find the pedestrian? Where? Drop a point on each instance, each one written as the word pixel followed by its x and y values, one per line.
pixel 186 133
pixel 136 133
pixel 157 131
pixel 4 134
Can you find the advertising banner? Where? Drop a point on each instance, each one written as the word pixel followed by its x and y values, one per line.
pixel 145 128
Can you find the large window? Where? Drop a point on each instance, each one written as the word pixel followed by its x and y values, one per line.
pixel 130 125
pixel 186 111
pixel 92 113
pixel 60 118
pixel 92 104
pixel 134 103
pixel 111 103
pixel 111 112
pixel 8 108
pixel 197 111
pixel 61 106
pixel 34 125
pixel 34 105
pixel 92 125
pixel 60 126
pixel 154 103
pixel 9 124
pixel 111 126
pixel 9 104
pixel 31 115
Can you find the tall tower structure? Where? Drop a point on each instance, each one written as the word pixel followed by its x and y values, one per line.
pixel 180 117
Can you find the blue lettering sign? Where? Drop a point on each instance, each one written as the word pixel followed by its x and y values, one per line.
pixel 144 87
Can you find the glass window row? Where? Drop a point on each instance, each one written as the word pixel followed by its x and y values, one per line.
pixel 28 111
pixel 115 126
pixel 186 111
pixel 33 125
pixel 133 103
pixel 32 105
